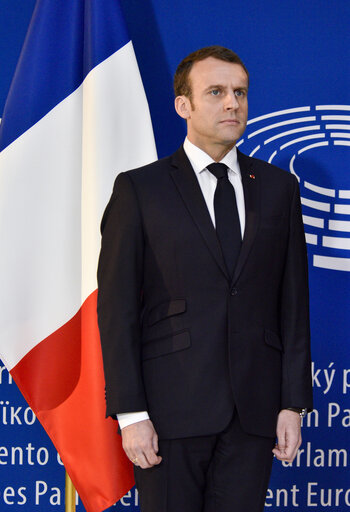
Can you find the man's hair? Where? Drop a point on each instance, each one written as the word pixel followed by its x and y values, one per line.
pixel 182 83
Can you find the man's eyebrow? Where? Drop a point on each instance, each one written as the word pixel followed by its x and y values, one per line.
pixel 215 86
pixel 220 86
pixel 242 88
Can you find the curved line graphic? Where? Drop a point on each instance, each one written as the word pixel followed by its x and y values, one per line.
pixel 272 156
pixel 282 123
pixel 291 168
pixel 279 113
pixel 318 205
pixel 300 139
pixel 332 107
pixel 342 142
pixel 340 134
pixel 335 118
pixel 339 225
pixel 320 190
pixel 336 242
pixel 331 262
pixel 342 208
pixel 296 130
pixel 311 239
pixel 337 126
pixel 311 146
pixel 316 222
pixel 344 194
pixel 254 151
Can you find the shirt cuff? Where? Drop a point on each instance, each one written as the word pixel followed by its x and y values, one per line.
pixel 128 418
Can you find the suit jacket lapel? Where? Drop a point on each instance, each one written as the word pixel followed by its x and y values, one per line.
pixel 188 186
pixel 251 189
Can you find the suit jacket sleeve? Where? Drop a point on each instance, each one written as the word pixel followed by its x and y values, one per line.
pixel 120 276
pixel 295 330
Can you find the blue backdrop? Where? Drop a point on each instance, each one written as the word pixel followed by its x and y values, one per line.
pixel 298 55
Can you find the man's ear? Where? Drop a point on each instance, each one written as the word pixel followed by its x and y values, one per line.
pixel 183 106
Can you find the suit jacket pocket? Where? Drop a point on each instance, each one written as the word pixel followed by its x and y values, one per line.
pixel 273 340
pixel 165 310
pixel 167 345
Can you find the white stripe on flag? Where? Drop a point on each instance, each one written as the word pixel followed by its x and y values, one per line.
pixel 115 139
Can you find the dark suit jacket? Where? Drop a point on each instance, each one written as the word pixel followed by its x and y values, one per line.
pixel 180 338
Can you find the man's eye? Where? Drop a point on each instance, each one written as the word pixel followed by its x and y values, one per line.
pixel 239 93
pixel 215 92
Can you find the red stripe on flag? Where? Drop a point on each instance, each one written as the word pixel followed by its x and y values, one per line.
pixel 50 371
pixel 62 380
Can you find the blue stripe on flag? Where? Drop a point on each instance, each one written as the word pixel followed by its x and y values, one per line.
pixel 65 40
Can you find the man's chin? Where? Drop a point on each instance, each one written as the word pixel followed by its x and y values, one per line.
pixel 232 133
pixel 229 141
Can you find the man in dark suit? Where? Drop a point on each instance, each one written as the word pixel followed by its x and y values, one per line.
pixel 203 306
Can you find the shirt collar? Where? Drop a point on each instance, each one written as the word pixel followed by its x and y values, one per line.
pixel 200 160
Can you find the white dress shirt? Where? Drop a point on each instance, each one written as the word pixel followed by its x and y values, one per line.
pixel 207 182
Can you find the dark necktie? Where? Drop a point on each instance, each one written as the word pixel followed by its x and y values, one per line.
pixel 228 228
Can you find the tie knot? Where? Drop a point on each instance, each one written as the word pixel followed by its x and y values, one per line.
pixel 219 170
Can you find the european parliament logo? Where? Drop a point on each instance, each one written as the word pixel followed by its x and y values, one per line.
pixel 313 143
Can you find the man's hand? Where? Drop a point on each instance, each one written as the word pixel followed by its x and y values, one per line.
pixel 288 435
pixel 140 443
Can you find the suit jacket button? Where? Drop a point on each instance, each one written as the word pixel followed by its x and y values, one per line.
pixel 234 291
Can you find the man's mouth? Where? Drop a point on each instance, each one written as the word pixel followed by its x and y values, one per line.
pixel 230 121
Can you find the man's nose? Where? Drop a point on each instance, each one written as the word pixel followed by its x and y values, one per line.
pixel 231 102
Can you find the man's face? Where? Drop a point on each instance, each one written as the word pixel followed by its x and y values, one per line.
pixel 217 113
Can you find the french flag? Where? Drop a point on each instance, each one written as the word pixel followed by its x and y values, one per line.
pixel 76 115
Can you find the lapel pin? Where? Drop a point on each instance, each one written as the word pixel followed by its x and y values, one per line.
pixel 252 176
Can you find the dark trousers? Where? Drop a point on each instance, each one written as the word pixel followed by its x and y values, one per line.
pixel 226 472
